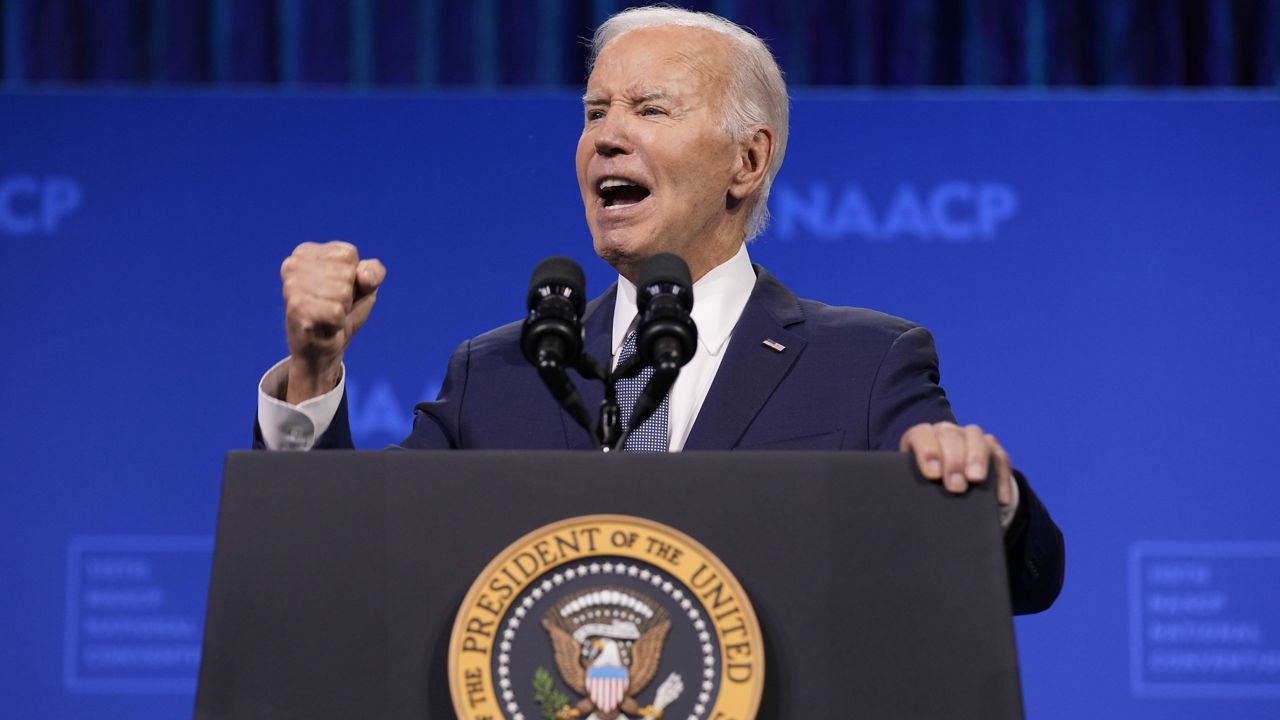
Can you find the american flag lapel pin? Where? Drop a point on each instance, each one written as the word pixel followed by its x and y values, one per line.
pixel 773 345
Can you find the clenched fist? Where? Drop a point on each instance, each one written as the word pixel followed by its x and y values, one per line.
pixel 328 293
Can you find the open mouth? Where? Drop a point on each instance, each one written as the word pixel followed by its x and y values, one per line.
pixel 619 193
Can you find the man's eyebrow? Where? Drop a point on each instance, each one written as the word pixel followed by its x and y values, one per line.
pixel 644 96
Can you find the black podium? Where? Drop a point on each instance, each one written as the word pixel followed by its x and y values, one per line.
pixel 337 575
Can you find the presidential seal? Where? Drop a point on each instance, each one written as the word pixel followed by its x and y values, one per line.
pixel 606 617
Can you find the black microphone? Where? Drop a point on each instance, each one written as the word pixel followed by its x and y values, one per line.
pixel 552 332
pixel 551 337
pixel 666 336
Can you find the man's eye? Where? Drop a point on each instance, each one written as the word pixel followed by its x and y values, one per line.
pixel 652 111
pixel 594 115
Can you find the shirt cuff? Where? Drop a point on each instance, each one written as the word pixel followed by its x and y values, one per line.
pixel 294 427
pixel 1008 511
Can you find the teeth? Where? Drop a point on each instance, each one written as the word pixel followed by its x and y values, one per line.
pixel 608 183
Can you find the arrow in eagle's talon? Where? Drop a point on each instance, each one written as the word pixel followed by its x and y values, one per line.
pixel 667 694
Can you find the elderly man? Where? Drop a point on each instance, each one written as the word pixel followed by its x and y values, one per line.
pixel 684 128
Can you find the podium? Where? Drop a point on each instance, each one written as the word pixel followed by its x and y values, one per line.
pixel 337 576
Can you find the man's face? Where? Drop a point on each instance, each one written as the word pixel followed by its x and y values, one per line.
pixel 654 161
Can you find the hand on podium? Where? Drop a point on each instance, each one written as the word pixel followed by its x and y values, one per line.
pixel 957 456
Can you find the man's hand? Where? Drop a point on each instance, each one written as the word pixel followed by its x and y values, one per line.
pixel 328 293
pixel 958 456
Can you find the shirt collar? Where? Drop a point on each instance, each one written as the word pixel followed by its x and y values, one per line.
pixel 718 300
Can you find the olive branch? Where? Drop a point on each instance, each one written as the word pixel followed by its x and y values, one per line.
pixel 548 699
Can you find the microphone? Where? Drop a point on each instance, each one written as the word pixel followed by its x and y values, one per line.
pixel 552 332
pixel 551 337
pixel 666 336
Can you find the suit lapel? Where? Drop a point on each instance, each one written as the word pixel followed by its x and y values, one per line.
pixel 750 371
pixel 597 324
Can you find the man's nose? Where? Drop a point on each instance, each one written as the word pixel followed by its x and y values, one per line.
pixel 613 137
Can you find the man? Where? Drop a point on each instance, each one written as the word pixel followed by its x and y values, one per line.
pixel 685 127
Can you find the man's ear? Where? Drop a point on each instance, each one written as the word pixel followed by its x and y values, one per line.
pixel 754 156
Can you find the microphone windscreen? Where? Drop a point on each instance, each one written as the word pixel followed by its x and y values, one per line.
pixel 667 275
pixel 665 268
pixel 563 272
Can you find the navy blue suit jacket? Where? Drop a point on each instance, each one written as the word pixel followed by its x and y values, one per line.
pixel 848 379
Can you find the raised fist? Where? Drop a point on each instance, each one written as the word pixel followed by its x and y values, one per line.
pixel 328 293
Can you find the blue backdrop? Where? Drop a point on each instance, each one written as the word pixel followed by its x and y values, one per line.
pixel 1099 271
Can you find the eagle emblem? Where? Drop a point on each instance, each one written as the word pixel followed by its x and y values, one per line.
pixel 607 643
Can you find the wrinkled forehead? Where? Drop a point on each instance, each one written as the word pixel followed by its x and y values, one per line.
pixel 645 57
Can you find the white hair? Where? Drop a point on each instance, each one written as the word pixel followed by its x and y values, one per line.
pixel 756 94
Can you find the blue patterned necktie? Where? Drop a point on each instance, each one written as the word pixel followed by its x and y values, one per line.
pixel 651 436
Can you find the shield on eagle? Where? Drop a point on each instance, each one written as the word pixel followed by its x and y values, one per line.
pixel 606 686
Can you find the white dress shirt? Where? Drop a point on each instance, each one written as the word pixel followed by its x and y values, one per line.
pixel 294 427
